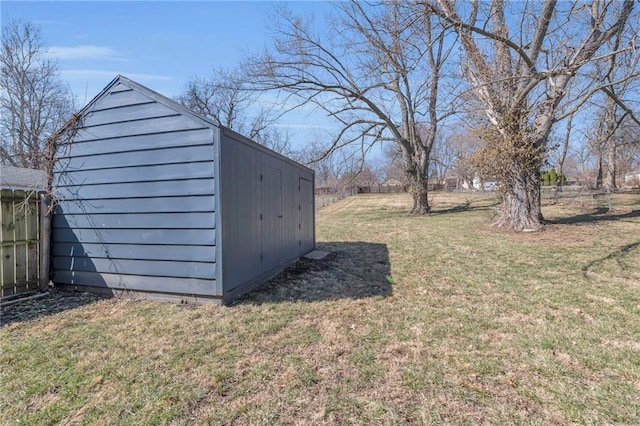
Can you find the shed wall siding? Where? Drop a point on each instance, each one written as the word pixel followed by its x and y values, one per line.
pixel 136 199
pixel 306 214
pixel 261 213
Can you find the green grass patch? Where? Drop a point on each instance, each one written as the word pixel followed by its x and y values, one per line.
pixel 426 320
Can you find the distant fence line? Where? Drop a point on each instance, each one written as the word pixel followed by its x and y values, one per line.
pixel 327 195
pixel 20 242
pixel 583 195
pixel 382 189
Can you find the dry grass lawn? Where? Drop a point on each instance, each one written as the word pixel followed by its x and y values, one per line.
pixel 412 320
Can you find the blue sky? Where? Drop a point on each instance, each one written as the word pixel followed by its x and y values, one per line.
pixel 160 44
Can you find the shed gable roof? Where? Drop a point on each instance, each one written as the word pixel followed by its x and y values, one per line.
pixel 122 83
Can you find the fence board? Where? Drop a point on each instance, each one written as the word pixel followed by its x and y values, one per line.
pixel 19 221
pixel 19 241
pixel 32 222
pixel 21 262
pixel 7 217
pixel 8 267
pixel 32 262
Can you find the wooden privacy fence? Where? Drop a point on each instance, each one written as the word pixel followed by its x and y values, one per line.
pixel 20 248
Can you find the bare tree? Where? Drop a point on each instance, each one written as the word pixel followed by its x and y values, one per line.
pixel 520 70
pixel 616 109
pixel 464 144
pixel 443 157
pixel 628 159
pixel 34 103
pixel 392 164
pixel 604 144
pixel 225 99
pixel 337 171
pixel 564 151
pixel 378 73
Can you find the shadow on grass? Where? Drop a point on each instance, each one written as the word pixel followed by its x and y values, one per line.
pixel 465 207
pixel 352 270
pixel 615 255
pixel 600 214
pixel 55 302
pixel 455 209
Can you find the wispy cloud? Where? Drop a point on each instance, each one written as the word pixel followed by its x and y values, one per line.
pixel 89 74
pixel 84 52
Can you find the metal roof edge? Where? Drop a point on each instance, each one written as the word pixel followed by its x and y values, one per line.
pixel 232 133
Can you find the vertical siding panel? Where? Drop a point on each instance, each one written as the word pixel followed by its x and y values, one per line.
pixel 272 217
pixel 240 203
pixel 254 250
pixel 306 215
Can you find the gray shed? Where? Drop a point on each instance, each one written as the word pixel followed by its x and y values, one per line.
pixel 155 199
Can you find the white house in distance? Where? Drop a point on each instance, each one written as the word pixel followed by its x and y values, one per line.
pixel 489 185
pixel 632 178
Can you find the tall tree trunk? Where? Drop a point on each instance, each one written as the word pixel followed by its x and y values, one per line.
pixel 416 169
pixel 521 206
pixel 420 200
pixel 611 165
pixel 418 187
pixel 598 182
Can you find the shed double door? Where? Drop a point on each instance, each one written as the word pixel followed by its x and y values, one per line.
pixel 272 225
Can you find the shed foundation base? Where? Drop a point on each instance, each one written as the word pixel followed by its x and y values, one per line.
pixel 317 254
pixel 142 295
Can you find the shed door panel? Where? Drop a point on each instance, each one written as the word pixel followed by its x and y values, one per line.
pixel 272 218
pixel 305 216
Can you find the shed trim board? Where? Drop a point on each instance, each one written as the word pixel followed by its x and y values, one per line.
pixel 154 199
pixel 218 212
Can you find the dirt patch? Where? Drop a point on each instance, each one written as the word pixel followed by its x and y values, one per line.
pixel 352 270
pixel 57 301
pixel 304 266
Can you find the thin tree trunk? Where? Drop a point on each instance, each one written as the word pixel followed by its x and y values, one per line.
pixel 598 182
pixel 611 165
pixel 563 155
